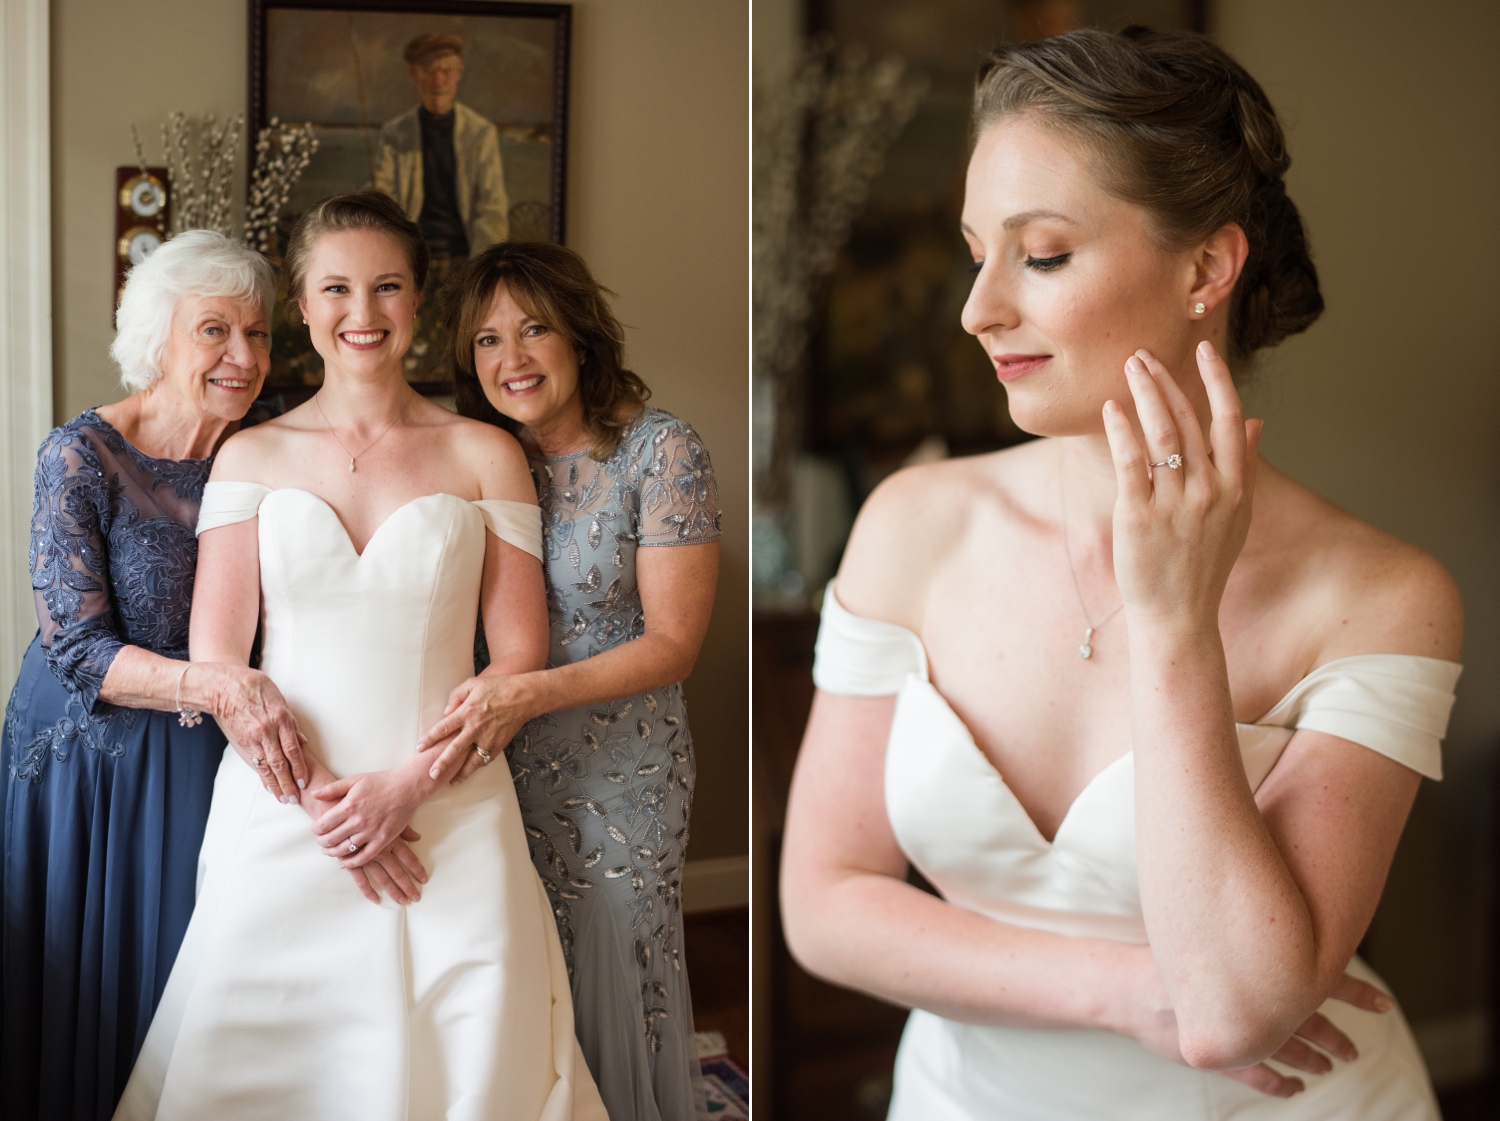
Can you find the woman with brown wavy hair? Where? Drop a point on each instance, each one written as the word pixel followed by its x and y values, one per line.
pixel 603 761
pixel 1153 750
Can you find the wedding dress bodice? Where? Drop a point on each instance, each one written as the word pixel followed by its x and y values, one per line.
pixel 398 660
pixel 968 834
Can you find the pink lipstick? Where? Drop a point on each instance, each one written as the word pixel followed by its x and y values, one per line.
pixel 1009 367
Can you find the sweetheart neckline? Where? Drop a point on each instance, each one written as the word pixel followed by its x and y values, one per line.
pixel 990 764
pixel 348 537
pixel 992 768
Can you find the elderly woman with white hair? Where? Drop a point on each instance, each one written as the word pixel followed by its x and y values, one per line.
pixel 108 765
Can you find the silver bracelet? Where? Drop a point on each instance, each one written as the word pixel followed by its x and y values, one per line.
pixel 187 717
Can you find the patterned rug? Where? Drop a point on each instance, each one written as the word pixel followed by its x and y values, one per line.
pixel 724 1080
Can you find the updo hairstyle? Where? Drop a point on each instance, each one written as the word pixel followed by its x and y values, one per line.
pixel 198 264
pixel 365 210
pixel 553 285
pixel 1178 127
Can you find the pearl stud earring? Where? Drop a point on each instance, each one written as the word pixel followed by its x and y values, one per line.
pixel 1199 308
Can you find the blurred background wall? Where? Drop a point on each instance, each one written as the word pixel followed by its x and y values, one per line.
pixel 657 196
pixel 1390 406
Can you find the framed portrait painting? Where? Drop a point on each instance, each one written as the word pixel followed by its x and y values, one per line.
pixel 455 108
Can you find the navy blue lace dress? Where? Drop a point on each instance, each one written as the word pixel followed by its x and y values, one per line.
pixel 104 806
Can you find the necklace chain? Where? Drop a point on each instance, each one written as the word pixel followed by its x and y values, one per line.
pixel 1086 649
pixel 368 446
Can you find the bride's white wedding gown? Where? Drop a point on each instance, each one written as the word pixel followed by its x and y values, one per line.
pixel 964 829
pixel 296 999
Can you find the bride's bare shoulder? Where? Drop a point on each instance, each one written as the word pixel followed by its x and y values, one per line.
pixel 249 455
pixel 915 517
pixel 1370 591
pixel 494 454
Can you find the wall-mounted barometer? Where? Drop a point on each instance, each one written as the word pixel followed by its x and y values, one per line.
pixel 143 211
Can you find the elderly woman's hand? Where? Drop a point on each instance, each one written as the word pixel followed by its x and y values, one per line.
pixel 484 713
pixel 260 726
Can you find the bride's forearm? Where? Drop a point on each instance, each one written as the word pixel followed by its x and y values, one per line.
pixel 318 776
pixel 884 937
pixel 1230 929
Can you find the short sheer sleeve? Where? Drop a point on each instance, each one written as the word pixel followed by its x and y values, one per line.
pixel 70 517
pixel 679 496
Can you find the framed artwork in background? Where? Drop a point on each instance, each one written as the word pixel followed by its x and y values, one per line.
pixel 455 108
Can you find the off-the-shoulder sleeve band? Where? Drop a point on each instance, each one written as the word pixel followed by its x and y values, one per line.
pixel 861 657
pixel 518 523
pixel 228 503
pixel 1395 704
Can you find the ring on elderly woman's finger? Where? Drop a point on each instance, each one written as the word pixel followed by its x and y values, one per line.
pixel 1172 461
pixel 484 756
pixel 258 761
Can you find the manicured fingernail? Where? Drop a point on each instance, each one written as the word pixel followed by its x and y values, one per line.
pixel 1136 366
pixel 1111 407
pixel 1205 349
pixel 301 784
pixel 1383 1003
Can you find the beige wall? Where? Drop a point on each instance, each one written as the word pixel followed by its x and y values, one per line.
pixel 1391 404
pixel 658 169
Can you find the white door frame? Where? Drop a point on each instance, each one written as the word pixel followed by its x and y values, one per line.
pixel 25 305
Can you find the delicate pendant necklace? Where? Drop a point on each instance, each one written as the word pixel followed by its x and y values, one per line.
pixel 1086 650
pixel 368 446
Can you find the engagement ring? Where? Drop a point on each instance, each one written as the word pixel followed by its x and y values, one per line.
pixel 1172 461
pixel 353 847
pixel 484 756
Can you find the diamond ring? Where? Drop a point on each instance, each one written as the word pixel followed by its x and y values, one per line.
pixel 353 847
pixel 484 756
pixel 1172 461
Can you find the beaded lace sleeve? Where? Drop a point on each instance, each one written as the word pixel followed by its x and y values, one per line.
pixel 679 496
pixel 69 556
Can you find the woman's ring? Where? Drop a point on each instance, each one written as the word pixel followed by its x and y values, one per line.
pixel 353 847
pixel 258 761
pixel 1172 461
pixel 484 756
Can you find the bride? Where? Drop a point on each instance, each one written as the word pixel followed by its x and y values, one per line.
pixel 366 530
pixel 1154 750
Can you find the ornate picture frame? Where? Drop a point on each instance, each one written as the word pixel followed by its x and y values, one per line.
pixel 378 80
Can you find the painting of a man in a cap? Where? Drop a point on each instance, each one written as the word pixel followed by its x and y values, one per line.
pixel 441 160
pixel 461 117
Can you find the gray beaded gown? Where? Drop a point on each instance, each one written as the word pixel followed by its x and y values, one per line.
pixel 606 790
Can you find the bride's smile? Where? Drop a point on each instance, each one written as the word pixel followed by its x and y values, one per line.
pixel 360 301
